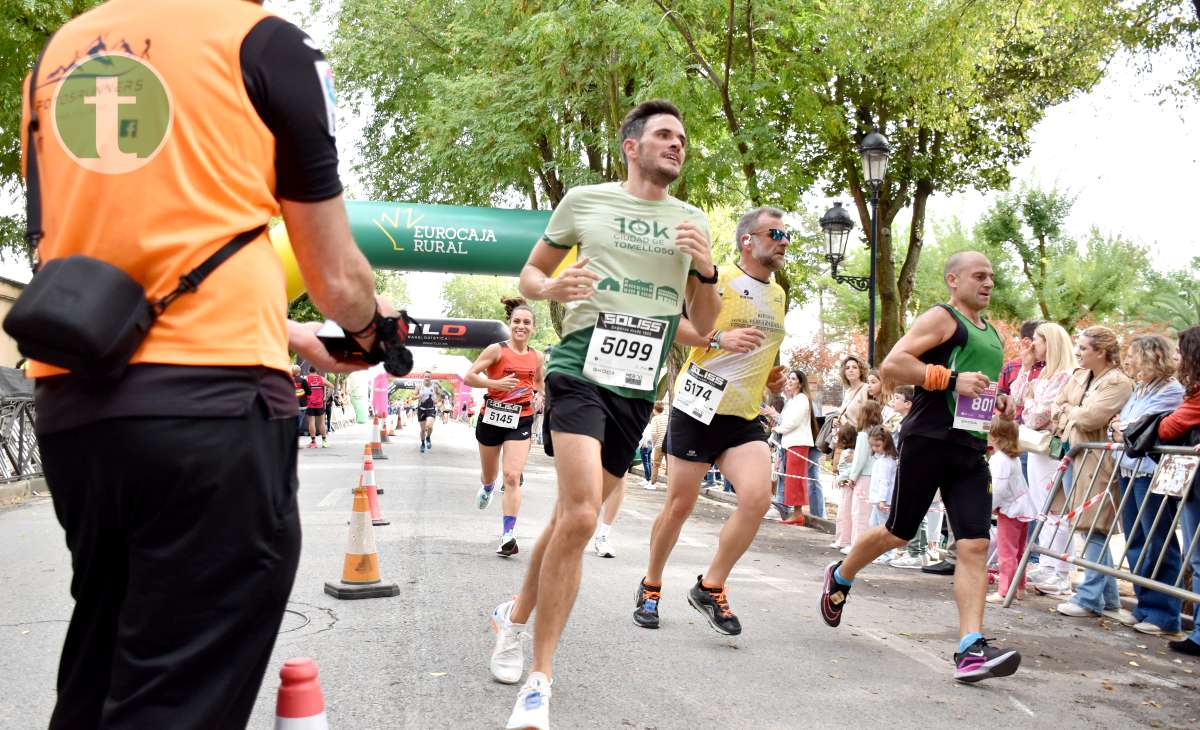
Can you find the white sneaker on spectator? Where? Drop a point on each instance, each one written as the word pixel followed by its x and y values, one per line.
pixel 647 484
pixel 1074 610
pixel 1055 585
pixel 845 550
pixel 1146 627
pixel 911 562
pixel 1121 615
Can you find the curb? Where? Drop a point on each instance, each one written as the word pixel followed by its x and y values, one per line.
pixel 817 523
pixel 17 492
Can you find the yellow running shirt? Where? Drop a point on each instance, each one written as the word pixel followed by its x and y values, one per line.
pixel 745 302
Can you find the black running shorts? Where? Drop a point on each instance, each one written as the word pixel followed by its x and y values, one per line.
pixel 314 412
pixel 926 465
pixel 489 435
pixel 691 440
pixel 580 407
pixel 423 413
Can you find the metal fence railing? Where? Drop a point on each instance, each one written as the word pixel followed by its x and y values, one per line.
pixel 19 455
pixel 1084 514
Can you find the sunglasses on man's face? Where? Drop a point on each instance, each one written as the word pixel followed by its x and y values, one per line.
pixel 776 234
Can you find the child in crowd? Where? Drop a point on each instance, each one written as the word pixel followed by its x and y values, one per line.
pixel 883 479
pixel 846 438
pixel 869 416
pixel 897 409
pixel 1012 502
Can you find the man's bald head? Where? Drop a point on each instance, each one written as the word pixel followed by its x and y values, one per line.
pixel 964 260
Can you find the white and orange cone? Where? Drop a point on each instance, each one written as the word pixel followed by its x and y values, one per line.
pixel 367 482
pixel 367 457
pixel 376 444
pixel 300 704
pixel 360 570
pixel 384 429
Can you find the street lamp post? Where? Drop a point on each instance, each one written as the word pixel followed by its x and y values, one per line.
pixel 836 223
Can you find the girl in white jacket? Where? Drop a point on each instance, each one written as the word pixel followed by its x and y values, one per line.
pixel 1014 504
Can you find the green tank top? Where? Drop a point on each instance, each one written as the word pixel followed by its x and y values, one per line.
pixel 970 350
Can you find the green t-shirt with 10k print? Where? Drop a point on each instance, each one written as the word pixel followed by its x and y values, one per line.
pixel 630 243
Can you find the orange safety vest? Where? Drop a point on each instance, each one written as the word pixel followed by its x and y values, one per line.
pixel 152 157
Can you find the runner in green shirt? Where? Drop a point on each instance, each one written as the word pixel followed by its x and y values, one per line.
pixel 642 254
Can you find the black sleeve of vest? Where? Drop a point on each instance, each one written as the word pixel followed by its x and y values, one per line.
pixel 286 77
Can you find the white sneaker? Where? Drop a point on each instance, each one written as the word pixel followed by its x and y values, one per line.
pixel 602 547
pixel 845 550
pixel 648 485
pixel 508 655
pixel 1056 585
pixel 1074 610
pixel 532 711
pixel 911 562
pixel 483 497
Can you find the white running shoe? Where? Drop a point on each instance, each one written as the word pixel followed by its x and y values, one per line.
pixel 602 547
pixel 648 485
pixel 532 711
pixel 508 655
pixel 484 497
pixel 1055 585
pixel 911 562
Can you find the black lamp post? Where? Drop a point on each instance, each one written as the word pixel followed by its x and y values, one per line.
pixel 836 223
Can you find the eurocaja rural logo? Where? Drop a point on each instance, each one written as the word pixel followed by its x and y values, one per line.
pixel 112 113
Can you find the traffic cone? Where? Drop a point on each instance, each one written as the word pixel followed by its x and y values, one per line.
pixel 376 445
pixel 300 704
pixel 366 456
pixel 360 571
pixel 384 431
pixel 367 482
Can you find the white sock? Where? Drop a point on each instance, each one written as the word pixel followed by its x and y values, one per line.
pixel 602 531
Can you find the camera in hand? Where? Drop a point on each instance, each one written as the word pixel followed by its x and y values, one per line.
pixel 391 333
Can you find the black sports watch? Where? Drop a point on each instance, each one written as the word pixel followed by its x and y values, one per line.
pixel 953 381
pixel 704 279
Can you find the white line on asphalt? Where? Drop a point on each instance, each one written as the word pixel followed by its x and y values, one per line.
pixel 756 575
pixel 634 513
pixel 908 649
pixel 1021 706
pixel 332 498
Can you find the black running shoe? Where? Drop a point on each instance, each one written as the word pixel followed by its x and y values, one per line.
pixel 833 597
pixel 646 613
pixel 715 606
pixel 508 546
pixel 982 661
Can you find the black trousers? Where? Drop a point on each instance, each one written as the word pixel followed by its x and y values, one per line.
pixel 184 536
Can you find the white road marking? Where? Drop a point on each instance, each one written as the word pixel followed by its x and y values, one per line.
pixel 1020 706
pixel 634 514
pixel 907 648
pixel 332 498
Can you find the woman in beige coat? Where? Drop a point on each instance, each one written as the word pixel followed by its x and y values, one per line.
pixel 1088 403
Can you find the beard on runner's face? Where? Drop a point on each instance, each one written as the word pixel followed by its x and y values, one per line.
pixel 766 252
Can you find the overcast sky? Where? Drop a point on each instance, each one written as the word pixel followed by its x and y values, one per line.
pixel 1122 150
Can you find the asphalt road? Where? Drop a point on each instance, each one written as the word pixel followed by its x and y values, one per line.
pixel 420 660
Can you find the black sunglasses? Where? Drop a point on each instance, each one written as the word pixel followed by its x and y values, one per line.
pixel 776 234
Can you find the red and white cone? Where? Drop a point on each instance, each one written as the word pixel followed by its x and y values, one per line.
pixel 367 455
pixel 300 704
pixel 367 481
pixel 376 444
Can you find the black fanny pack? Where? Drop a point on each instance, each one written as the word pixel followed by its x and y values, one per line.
pixel 80 313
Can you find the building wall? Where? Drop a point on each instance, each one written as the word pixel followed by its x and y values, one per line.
pixel 9 291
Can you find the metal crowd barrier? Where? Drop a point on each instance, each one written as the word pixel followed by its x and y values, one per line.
pixel 1073 516
pixel 19 455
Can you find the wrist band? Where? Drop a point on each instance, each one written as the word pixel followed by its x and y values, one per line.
pixel 370 327
pixel 937 377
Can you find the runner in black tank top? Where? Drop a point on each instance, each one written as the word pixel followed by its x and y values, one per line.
pixel 953 355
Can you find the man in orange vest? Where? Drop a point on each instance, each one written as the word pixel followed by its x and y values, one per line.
pixel 165 129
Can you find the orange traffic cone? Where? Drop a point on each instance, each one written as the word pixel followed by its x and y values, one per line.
pixel 360 571
pixel 384 430
pixel 300 704
pixel 367 456
pixel 367 482
pixel 376 445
